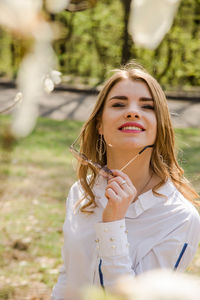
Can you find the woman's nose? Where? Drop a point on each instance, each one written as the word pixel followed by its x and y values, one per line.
pixel 132 114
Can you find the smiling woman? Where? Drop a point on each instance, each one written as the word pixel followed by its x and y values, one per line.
pixel 130 211
pixel 128 120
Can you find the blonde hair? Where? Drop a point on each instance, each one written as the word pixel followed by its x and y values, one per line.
pixel 163 160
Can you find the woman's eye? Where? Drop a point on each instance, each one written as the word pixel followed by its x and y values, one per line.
pixel 148 106
pixel 117 105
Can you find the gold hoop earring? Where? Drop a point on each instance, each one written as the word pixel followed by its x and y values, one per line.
pixel 101 147
pixel 161 158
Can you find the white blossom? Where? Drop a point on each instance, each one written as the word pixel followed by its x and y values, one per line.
pixel 55 6
pixel 50 80
pixel 33 87
pixel 20 15
pixel 25 17
pixel 48 85
pixel 18 97
pixel 30 83
pixel 159 284
pixel 56 76
pixel 150 20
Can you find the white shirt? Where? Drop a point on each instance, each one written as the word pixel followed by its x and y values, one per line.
pixel 157 232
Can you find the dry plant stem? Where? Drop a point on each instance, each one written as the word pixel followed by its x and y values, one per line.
pixel 16 101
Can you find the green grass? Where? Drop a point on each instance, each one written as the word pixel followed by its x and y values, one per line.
pixel 189 140
pixel 35 178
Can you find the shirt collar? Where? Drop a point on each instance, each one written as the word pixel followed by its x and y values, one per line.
pixel 144 202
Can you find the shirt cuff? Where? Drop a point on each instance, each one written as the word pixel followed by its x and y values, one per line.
pixel 111 238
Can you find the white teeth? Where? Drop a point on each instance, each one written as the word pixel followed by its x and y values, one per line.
pixel 131 128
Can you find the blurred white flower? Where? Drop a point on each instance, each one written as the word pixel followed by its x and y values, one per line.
pixel 159 284
pixel 55 6
pixel 20 15
pixel 30 83
pixel 25 17
pixel 54 77
pixel 18 97
pixel 150 20
pixel 48 85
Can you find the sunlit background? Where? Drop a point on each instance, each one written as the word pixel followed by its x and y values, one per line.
pixel 54 57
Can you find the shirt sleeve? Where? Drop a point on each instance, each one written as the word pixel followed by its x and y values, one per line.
pixel 58 292
pixel 169 254
pixel 113 245
pixel 174 251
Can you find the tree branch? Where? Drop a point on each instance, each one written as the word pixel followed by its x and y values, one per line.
pixel 18 99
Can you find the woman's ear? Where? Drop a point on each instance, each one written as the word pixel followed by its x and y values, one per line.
pixel 99 126
pixel 100 129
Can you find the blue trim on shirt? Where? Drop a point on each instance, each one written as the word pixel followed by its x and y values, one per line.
pixel 180 256
pixel 101 274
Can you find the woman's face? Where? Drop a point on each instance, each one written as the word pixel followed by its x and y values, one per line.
pixel 128 120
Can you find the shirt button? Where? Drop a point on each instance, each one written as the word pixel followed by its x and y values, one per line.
pixel 106 230
pixel 113 246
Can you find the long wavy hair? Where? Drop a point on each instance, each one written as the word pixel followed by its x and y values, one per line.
pixel 163 159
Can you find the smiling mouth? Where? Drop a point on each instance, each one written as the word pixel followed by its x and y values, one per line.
pixel 131 128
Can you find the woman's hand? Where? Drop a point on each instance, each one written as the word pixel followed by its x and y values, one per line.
pixel 120 193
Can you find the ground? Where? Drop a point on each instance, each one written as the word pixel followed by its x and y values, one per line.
pixel 35 180
pixel 77 105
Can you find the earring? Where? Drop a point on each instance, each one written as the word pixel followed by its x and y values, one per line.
pixel 161 158
pixel 101 147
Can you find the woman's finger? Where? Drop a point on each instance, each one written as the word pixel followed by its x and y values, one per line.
pixel 118 173
pixel 119 180
pixel 129 190
pixel 111 195
pixel 117 189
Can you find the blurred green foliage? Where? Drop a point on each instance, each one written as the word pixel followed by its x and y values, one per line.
pixel 92 40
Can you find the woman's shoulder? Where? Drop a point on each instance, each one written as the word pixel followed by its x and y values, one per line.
pixel 75 194
pixel 180 203
pixel 179 213
pixel 190 216
pixel 76 186
pixel 175 201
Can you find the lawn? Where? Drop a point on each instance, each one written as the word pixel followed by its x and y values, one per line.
pixel 35 179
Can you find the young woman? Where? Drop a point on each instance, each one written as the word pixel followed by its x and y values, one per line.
pixel 131 209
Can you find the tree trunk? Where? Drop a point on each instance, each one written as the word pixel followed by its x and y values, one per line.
pixel 196 20
pixel 169 60
pixel 126 53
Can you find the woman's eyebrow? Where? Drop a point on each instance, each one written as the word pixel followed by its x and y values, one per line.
pixel 146 99
pixel 126 98
pixel 119 97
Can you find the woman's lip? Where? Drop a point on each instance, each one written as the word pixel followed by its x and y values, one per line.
pixel 131 124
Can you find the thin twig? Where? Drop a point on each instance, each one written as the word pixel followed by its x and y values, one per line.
pixel 18 99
